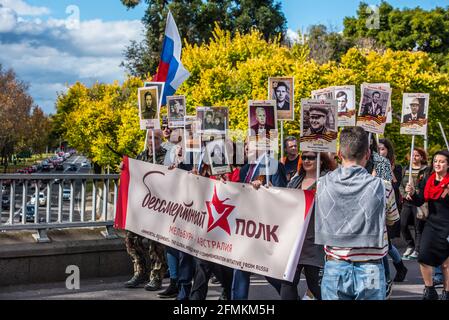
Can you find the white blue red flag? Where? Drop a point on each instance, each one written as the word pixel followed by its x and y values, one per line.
pixel 170 70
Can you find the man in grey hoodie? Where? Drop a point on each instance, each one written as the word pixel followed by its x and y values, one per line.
pixel 352 211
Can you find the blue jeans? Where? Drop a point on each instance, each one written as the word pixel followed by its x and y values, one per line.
pixel 386 268
pixel 438 274
pixel 240 285
pixel 344 280
pixel 172 261
pixel 394 254
pixel 185 267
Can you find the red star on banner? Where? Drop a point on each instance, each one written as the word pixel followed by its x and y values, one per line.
pixel 218 213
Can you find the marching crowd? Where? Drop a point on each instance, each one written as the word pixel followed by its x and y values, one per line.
pixel 347 244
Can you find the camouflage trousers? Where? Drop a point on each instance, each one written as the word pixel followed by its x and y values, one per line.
pixel 136 249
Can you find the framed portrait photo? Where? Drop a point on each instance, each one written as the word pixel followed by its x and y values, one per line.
pixel 345 96
pixel 281 89
pixel 176 107
pixel 160 90
pixel 148 110
pixel 319 125
pixel 415 110
pixel 262 117
pixel 214 121
pixel 374 101
pixel 192 134
pixel 218 157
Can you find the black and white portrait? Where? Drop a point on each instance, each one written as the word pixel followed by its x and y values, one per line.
pixel 214 120
pixel 148 110
pixel 282 91
pixel 218 157
pixel 176 106
pixel 414 113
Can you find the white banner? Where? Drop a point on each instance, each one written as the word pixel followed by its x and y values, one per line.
pixel 260 231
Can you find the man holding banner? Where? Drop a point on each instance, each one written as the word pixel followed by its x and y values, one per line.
pixel 134 242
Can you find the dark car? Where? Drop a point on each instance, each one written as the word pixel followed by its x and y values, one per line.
pixel 72 167
pixel 29 217
pixel 5 201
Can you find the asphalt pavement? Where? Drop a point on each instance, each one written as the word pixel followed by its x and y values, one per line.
pixel 113 289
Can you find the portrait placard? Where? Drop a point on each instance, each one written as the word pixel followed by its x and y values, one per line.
pixel 214 121
pixel 415 110
pixel 218 157
pixel 176 108
pixel 160 91
pixel 281 89
pixel 262 117
pixel 345 96
pixel 374 102
pixel 319 125
pixel 148 111
pixel 192 134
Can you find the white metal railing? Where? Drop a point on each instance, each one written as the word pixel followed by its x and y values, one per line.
pixel 71 201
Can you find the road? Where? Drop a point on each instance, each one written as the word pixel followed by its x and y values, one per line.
pixel 112 289
pixel 75 160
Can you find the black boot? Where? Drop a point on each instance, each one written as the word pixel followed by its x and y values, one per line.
pixel 445 295
pixel 171 291
pixel 135 281
pixel 153 285
pixel 430 293
pixel 401 271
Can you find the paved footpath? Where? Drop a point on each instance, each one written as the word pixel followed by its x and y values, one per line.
pixel 112 289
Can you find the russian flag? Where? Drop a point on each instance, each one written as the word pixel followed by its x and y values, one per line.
pixel 170 70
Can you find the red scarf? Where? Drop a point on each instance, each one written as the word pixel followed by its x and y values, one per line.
pixel 432 191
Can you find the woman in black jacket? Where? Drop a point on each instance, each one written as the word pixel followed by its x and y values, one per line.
pixel 435 237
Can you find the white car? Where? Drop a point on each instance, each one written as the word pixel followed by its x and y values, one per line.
pixel 66 194
pixel 85 164
pixel 42 199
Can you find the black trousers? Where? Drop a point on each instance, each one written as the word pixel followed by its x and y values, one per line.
pixel 408 217
pixel 203 272
pixel 289 290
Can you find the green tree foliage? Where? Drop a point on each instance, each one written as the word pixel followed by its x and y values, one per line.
pixel 404 29
pixel 230 70
pixel 101 122
pixel 196 20
pixel 326 45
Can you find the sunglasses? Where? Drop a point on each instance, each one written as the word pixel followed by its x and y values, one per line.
pixel 311 158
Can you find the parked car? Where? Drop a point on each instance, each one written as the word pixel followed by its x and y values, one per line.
pixel 5 201
pixel 85 164
pixel 66 194
pixel 42 199
pixel 45 166
pixel 29 213
pixel 72 167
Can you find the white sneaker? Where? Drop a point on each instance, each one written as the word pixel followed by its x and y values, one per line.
pixel 407 252
pixel 414 255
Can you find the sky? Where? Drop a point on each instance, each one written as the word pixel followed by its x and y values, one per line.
pixel 51 44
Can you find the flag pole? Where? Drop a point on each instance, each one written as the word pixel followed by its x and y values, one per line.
pixel 318 166
pixel 444 135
